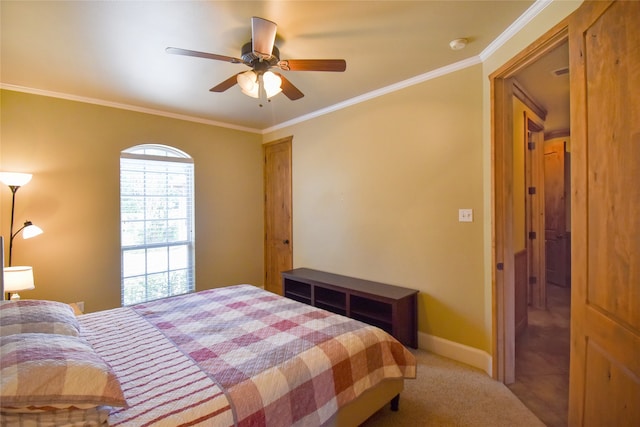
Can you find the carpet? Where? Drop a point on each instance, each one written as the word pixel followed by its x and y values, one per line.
pixel 447 394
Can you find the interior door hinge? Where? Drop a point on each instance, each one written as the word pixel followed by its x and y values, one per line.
pixel 532 191
pixel 532 235
pixel 533 280
pixel 531 145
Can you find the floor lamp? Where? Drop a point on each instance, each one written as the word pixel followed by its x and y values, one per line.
pixel 16 180
pixel 18 278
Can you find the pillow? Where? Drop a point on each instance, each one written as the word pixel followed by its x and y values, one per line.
pixel 41 316
pixel 39 370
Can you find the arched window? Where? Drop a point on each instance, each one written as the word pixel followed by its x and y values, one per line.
pixel 156 223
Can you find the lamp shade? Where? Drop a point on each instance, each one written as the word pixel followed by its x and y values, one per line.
pixel 31 230
pixel 18 279
pixel 248 82
pixel 272 84
pixel 15 179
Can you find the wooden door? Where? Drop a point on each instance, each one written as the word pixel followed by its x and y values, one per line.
pixel 555 213
pixel 278 250
pixel 604 43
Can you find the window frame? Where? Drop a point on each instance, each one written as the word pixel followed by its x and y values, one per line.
pixel 149 153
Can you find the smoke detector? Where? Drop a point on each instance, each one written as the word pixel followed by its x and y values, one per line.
pixel 458 44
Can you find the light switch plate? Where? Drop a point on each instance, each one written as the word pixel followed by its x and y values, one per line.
pixel 465 215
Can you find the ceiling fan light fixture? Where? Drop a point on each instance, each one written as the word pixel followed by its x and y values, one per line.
pixel 272 84
pixel 255 93
pixel 248 82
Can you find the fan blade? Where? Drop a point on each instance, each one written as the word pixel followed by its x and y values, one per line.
pixel 178 51
pixel 263 36
pixel 289 89
pixel 313 64
pixel 225 84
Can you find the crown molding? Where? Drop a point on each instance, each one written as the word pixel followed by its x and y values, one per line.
pixel 121 106
pixel 380 92
pixel 515 27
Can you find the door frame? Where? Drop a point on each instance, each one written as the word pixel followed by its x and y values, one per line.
pixel 535 218
pixel 503 271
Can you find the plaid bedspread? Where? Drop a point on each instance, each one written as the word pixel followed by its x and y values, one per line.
pixel 279 362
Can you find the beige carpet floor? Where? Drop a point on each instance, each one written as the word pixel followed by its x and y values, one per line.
pixel 447 393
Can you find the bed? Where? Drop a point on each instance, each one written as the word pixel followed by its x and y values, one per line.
pixel 232 356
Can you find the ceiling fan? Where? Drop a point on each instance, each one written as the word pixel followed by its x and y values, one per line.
pixel 261 55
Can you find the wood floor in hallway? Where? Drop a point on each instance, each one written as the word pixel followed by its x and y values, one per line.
pixel 542 359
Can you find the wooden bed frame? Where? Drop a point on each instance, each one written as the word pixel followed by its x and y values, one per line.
pixel 371 401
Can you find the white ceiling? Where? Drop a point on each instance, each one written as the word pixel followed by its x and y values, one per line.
pixel 113 52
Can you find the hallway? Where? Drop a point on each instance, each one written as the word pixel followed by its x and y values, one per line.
pixel 542 359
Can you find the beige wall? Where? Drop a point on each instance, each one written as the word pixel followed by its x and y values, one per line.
pixel 73 151
pixel 377 188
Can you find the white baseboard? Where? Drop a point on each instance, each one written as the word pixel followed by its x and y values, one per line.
pixel 459 352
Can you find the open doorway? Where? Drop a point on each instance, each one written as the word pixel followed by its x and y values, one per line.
pixel 542 343
pixel 532 305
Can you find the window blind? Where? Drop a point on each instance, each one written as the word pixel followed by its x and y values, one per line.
pixel 156 217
